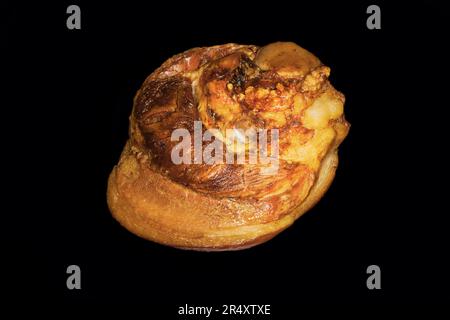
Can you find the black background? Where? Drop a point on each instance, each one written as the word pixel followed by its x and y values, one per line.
pixel 67 122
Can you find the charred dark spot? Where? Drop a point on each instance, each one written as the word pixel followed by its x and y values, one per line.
pixel 238 79
pixel 267 80
pixel 210 112
pixel 246 70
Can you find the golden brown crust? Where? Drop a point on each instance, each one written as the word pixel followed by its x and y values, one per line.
pixel 157 209
pixel 228 206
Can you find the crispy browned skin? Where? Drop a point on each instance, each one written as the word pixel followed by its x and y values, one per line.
pixel 228 206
